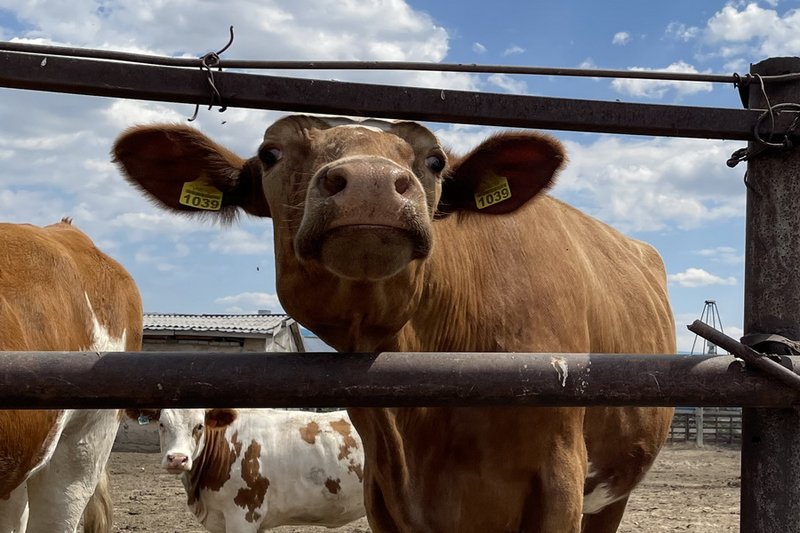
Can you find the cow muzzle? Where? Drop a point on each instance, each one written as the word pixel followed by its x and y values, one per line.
pixel 365 219
pixel 177 463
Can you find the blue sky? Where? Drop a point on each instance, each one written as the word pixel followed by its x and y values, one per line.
pixel 677 194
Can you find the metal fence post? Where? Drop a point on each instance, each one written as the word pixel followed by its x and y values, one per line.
pixel 770 495
pixel 699 424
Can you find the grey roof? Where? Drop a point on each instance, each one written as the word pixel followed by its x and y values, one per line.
pixel 242 324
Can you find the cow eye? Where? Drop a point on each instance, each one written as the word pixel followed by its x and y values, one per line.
pixel 269 155
pixel 198 428
pixel 435 163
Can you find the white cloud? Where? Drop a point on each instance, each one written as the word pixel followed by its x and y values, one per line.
pixel 512 50
pixel 682 32
pixel 658 88
pixel 124 113
pixel 389 30
pixel 159 222
pixel 621 38
pixel 508 83
pixel 238 241
pixel 747 33
pixel 722 254
pixel 697 277
pixel 478 48
pixel 250 302
pixel 653 184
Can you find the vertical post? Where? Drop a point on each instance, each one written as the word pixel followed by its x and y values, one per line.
pixel 770 496
pixel 698 422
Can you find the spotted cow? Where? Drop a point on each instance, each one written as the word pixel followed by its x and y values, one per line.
pixel 254 469
pixel 386 241
pixel 58 292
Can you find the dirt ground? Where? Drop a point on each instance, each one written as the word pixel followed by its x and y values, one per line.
pixel 688 489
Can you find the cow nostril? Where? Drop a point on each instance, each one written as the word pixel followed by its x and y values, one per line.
pixel 332 183
pixel 402 184
pixel 184 460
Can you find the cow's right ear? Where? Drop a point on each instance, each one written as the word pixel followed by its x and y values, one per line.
pixel 220 418
pixel 185 171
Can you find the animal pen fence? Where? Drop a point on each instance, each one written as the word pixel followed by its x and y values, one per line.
pixel 766 386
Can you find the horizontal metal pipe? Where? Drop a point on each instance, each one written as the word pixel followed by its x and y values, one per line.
pixel 149 59
pixel 152 379
pixel 173 84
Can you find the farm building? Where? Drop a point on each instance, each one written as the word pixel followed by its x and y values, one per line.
pixel 264 331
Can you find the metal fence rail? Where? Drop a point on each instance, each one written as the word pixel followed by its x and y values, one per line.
pixel 152 379
pixel 185 85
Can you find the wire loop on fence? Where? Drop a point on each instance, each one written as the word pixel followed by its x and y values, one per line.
pixel 745 154
pixel 207 63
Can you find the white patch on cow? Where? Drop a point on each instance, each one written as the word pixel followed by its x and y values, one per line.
pixel 561 369
pixel 599 498
pixel 370 123
pixel 102 341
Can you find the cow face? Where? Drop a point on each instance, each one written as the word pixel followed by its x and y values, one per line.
pixel 353 204
pixel 357 198
pixel 182 433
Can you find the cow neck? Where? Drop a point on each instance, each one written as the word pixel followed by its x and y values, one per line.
pixel 211 468
pixel 351 316
pixel 451 314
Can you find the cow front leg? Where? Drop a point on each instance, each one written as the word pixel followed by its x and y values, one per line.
pixel 556 504
pixel 58 493
pixel 14 510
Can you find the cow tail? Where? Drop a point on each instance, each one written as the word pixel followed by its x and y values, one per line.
pixel 97 517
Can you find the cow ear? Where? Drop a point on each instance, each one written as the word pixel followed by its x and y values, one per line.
pixel 183 170
pixel 501 174
pixel 219 418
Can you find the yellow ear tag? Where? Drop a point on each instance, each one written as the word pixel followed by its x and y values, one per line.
pixel 493 190
pixel 201 195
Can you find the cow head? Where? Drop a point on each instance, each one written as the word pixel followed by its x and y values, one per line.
pixel 182 433
pixel 353 204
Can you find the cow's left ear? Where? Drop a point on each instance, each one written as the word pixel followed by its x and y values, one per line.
pixel 220 418
pixel 501 174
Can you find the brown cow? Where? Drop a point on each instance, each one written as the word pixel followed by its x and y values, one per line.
pixel 384 242
pixel 60 293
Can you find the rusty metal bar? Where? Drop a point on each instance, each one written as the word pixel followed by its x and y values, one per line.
pixel 149 59
pixel 770 494
pixel 151 379
pixel 184 85
pixel 758 360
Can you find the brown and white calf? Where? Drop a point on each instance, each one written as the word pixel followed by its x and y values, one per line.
pixel 251 470
pixel 384 241
pixel 60 293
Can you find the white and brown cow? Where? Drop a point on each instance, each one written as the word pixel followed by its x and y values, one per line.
pixel 251 470
pixel 60 293
pixel 386 242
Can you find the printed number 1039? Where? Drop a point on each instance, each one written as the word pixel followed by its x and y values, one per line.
pixel 493 197
pixel 200 202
